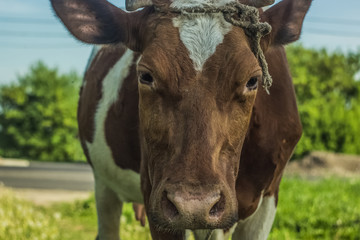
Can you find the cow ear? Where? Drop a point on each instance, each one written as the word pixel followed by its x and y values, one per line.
pixel 286 19
pixel 93 21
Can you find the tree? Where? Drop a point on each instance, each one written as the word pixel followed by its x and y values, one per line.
pixel 328 96
pixel 38 116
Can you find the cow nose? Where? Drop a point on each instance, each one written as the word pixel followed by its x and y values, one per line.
pixel 205 209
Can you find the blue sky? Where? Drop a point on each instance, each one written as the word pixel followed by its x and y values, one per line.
pixel 29 32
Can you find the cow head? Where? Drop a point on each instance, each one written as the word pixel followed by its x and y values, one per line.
pixel 198 79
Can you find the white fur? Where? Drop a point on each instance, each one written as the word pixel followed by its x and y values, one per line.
pixel 126 183
pixel 217 234
pixel 201 33
pixel 258 225
pixel 198 3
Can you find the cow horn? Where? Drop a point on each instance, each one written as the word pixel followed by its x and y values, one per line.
pixel 132 5
pixel 258 3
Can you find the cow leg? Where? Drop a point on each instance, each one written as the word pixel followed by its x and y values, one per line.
pixel 108 208
pixel 258 225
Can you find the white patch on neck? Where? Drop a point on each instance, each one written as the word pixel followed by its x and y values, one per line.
pixel 258 225
pixel 201 33
pixel 216 234
pixel 126 183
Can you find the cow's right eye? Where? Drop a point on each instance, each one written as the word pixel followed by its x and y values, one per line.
pixel 146 78
pixel 252 83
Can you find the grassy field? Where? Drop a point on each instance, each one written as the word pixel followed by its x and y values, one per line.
pixel 308 209
pixel 319 209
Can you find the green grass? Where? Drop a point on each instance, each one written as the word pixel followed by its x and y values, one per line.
pixel 79 221
pixel 21 220
pixel 318 209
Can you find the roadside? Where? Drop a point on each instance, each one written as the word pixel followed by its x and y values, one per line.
pixel 45 183
pixel 10 162
pixel 46 197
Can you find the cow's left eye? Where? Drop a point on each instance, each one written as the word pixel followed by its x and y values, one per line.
pixel 146 78
pixel 252 84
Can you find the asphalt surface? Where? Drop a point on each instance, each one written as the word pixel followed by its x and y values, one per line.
pixel 40 175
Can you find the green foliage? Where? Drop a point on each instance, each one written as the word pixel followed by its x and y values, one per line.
pixel 328 96
pixel 38 116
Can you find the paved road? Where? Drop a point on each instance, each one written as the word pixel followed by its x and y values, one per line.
pixel 40 175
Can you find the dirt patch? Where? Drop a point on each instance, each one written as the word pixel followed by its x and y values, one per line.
pixel 48 197
pixel 44 197
pixel 324 164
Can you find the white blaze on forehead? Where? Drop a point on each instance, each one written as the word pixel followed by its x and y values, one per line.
pixel 199 3
pixel 201 33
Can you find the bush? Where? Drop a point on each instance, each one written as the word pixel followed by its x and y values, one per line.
pixel 38 116
pixel 328 94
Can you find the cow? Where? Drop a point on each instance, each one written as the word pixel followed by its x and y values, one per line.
pixel 171 113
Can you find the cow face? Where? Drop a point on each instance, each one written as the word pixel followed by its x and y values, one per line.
pixel 198 80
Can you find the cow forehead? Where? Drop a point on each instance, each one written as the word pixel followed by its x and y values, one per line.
pixel 199 3
pixel 201 33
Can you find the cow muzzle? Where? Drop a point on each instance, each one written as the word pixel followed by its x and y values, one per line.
pixel 194 208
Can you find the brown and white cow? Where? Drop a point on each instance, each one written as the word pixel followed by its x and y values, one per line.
pixel 170 102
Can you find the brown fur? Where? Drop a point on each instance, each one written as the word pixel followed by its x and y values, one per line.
pixel 197 121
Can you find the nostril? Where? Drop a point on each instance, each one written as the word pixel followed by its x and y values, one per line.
pixel 218 208
pixel 169 208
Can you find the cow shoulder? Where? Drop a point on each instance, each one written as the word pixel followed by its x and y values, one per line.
pixel 108 104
